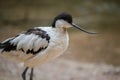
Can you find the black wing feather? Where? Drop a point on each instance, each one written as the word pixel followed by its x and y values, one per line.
pixel 7 46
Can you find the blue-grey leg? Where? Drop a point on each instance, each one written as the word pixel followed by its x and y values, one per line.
pixel 24 73
pixel 31 74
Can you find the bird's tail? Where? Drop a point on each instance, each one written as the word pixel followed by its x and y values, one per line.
pixel 2 46
pixel 6 45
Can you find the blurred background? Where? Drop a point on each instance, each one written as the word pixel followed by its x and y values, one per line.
pixel 101 16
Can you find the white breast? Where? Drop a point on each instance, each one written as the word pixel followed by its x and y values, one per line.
pixel 58 44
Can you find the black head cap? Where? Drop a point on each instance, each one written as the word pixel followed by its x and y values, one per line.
pixel 65 16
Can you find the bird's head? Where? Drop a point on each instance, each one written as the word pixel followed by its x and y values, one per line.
pixel 64 20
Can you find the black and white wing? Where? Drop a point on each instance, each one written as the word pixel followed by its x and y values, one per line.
pixel 32 41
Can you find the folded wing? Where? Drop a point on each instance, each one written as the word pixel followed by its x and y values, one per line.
pixel 32 41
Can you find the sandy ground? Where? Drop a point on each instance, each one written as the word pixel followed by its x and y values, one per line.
pixel 61 69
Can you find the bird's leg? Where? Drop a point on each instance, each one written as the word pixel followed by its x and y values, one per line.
pixel 24 73
pixel 31 74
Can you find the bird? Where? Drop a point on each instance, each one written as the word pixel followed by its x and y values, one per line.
pixel 38 45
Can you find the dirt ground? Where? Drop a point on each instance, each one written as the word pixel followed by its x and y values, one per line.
pixel 61 69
